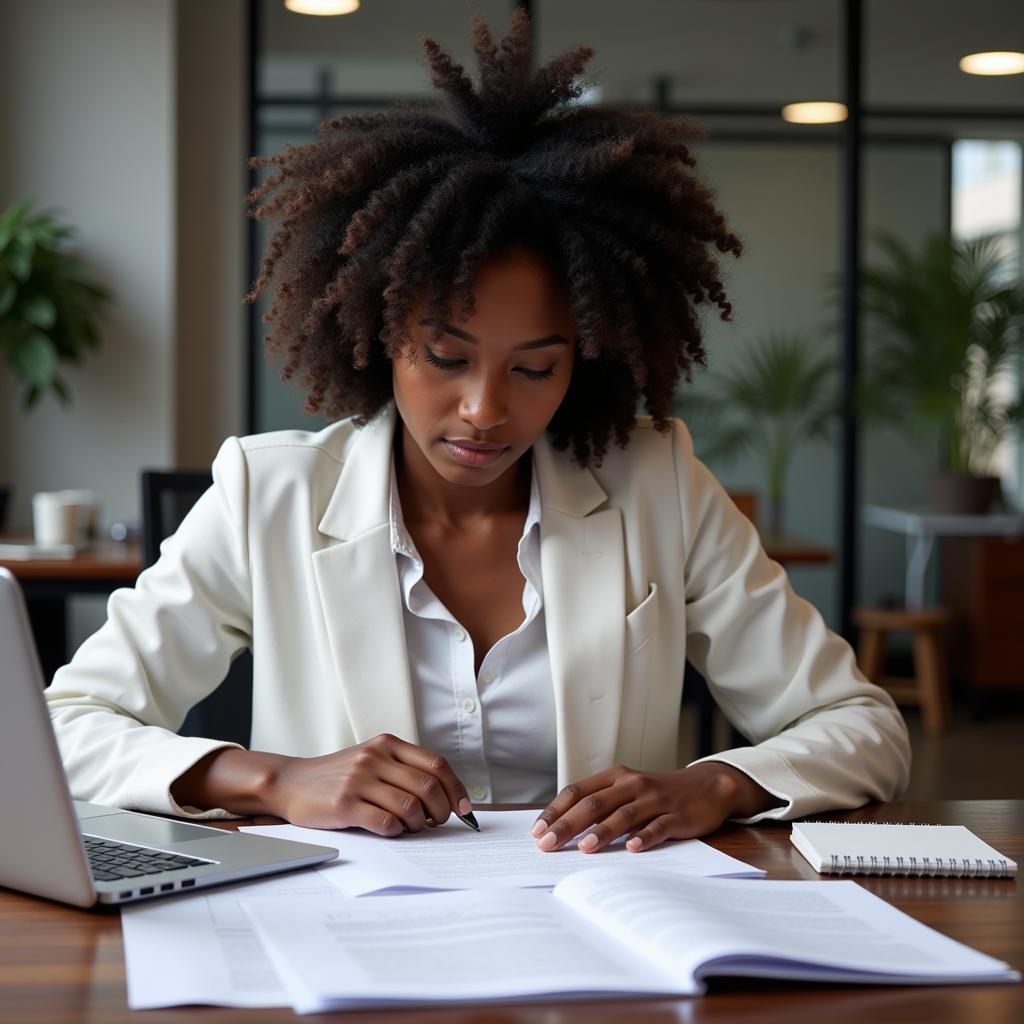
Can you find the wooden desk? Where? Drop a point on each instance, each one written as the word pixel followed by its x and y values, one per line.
pixel 59 964
pixel 48 583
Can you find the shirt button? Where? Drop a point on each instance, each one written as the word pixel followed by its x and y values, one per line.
pixel 460 634
pixel 479 792
pixel 469 705
pixel 487 677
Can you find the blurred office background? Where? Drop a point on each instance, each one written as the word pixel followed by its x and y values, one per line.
pixel 135 120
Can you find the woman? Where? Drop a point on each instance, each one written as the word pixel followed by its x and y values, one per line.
pixel 462 591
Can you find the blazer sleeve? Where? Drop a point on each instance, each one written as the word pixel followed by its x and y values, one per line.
pixel 823 736
pixel 166 644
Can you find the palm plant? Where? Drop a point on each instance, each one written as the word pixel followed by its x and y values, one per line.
pixel 781 396
pixel 946 325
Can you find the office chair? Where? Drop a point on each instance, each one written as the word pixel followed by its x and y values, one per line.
pixel 226 714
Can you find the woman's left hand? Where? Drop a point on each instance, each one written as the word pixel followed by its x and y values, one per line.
pixel 649 807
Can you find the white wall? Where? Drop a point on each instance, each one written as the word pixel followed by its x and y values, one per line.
pixel 89 128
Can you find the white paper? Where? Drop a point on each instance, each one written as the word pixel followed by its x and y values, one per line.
pixel 201 948
pixel 502 854
pixel 443 947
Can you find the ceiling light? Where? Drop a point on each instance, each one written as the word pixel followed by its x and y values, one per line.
pixel 819 112
pixel 995 62
pixel 322 6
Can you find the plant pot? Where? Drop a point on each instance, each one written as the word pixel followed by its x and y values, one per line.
pixel 5 493
pixel 960 494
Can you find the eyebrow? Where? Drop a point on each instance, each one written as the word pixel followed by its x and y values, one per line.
pixel 550 339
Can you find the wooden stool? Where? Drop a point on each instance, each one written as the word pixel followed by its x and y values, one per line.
pixel 929 686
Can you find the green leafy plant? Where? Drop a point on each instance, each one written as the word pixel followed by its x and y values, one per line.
pixel 945 324
pixel 48 305
pixel 782 395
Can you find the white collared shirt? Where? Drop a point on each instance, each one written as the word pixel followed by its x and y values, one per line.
pixel 497 729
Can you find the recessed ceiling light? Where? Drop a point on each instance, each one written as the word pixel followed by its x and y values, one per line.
pixel 817 112
pixel 322 6
pixel 994 62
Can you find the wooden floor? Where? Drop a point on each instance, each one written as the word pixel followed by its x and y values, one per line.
pixel 979 757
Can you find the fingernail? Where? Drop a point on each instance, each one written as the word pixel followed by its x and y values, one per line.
pixel 465 807
pixel 635 843
pixel 538 827
pixel 588 842
pixel 548 841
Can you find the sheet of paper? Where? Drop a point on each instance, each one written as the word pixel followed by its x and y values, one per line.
pixel 502 855
pixel 202 948
pixel 444 947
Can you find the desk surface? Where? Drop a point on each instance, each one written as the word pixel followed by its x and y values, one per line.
pixel 59 964
pixel 108 560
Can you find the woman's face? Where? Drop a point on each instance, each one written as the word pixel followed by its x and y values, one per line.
pixel 475 400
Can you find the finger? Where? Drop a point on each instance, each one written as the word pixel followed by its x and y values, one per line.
pixel 581 817
pixel 422 785
pixel 652 834
pixel 397 803
pixel 568 798
pixel 628 818
pixel 438 766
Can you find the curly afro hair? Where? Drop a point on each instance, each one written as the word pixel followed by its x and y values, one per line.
pixel 383 209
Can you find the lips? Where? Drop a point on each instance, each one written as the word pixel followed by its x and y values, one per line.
pixel 473 453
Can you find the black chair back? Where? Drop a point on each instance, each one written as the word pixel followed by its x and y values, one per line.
pixel 226 714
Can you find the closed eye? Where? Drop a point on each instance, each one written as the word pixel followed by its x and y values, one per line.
pixel 450 364
pixel 445 364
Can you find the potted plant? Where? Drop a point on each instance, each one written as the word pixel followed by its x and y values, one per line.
pixel 779 397
pixel 945 326
pixel 48 305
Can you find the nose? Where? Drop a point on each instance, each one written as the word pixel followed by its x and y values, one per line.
pixel 483 405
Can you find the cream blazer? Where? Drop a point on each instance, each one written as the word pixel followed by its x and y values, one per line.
pixel 645 561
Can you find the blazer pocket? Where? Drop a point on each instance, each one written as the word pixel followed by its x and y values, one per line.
pixel 642 621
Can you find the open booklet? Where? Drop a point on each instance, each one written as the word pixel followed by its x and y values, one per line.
pixel 600 932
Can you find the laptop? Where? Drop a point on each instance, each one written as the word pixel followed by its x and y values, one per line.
pixel 86 854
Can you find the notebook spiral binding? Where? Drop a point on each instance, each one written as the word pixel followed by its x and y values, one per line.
pixel 948 867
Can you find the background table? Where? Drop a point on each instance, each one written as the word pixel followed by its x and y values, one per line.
pixel 921 527
pixel 59 964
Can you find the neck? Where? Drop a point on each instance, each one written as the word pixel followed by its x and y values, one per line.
pixel 426 495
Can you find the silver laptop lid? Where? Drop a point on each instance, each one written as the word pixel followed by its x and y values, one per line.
pixel 40 845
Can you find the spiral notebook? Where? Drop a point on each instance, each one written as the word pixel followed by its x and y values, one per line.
pixel 872 848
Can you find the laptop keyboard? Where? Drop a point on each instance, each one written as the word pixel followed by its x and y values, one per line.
pixel 109 860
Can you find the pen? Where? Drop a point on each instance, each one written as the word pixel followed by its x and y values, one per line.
pixel 469 819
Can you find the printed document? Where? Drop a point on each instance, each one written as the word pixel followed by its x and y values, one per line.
pixel 202 948
pixel 502 854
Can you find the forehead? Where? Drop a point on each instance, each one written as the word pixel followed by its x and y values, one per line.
pixel 518 286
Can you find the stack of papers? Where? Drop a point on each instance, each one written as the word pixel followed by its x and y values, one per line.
pixel 520 923
pixel 220 960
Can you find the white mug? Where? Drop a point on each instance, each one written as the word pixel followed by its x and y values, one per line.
pixel 54 518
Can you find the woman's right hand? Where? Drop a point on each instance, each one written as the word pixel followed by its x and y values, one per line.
pixel 384 785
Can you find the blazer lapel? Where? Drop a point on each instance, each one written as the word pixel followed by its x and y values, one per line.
pixel 358 584
pixel 583 571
